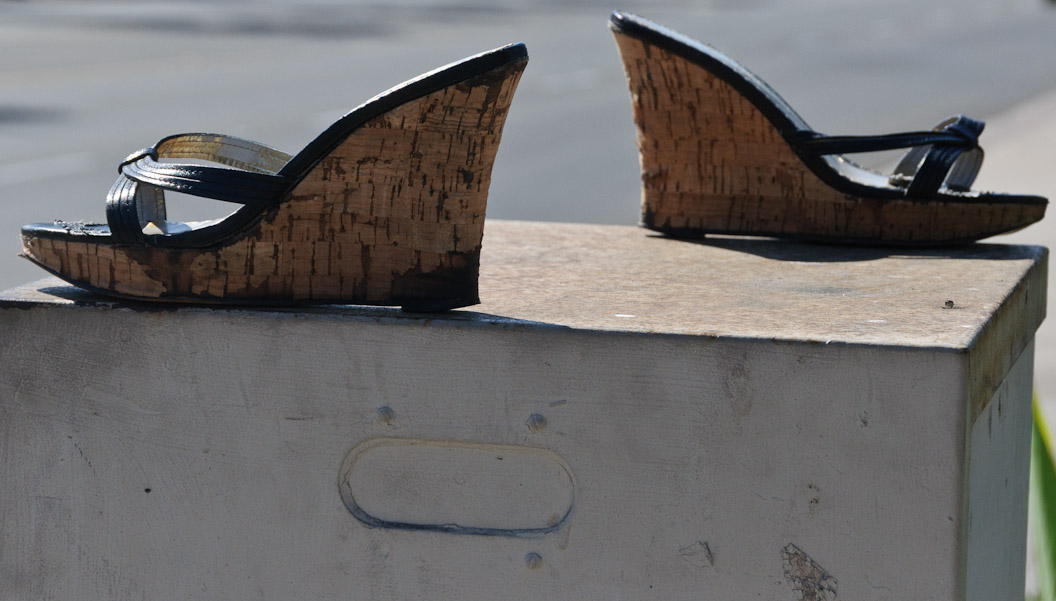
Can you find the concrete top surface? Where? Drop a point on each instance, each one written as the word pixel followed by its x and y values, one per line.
pixel 625 279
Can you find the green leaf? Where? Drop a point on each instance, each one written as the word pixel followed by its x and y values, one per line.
pixel 1043 506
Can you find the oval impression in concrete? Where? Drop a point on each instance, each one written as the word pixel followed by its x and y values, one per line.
pixel 456 487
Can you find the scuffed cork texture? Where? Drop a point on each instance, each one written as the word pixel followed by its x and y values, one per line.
pixel 394 215
pixel 713 163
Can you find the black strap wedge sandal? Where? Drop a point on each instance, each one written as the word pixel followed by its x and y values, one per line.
pixel 722 153
pixel 385 207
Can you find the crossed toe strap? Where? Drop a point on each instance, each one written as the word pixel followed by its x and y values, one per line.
pixel 137 198
pixel 947 156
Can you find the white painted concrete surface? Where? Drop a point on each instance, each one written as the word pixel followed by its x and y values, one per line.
pixel 998 464
pixel 160 453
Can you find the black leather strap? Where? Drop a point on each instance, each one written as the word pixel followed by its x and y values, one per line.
pixel 924 170
pixel 219 183
pixel 949 154
pixel 130 206
pixel 816 143
pixel 137 198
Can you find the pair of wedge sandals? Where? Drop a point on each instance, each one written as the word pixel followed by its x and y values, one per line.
pixel 386 207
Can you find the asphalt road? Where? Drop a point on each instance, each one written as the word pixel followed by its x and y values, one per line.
pixel 82 84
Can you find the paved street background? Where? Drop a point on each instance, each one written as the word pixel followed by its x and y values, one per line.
pixel 82 84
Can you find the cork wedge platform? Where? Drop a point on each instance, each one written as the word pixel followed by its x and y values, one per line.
pixel 385 207
pixel 722 153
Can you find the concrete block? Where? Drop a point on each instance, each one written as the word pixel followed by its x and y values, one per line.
pixel 624 417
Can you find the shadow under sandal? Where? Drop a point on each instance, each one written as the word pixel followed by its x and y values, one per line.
pixel 722 153
pixel 386 207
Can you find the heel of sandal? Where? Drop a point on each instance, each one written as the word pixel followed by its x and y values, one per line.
pixel 397 210
pixel 710 161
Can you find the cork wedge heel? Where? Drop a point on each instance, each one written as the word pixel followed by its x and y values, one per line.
pixel 722 153
pixel 386 207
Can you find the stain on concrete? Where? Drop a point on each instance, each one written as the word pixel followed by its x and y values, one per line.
pixel 815 497
pixel 808 579
pixel 737 386
pixel 385 415
pixel 533 561
pixel 536 423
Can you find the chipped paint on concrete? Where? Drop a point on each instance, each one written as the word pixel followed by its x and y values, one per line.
pixel 808 579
